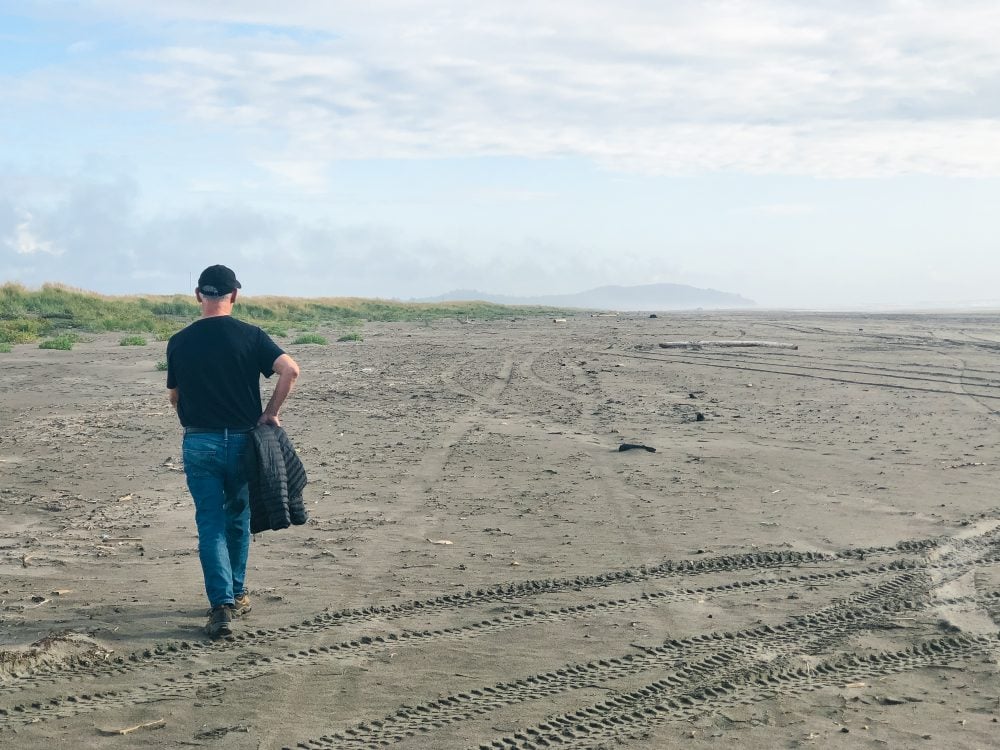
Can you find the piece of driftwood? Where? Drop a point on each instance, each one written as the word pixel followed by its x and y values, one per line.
pixel 158 724
pixel 735 342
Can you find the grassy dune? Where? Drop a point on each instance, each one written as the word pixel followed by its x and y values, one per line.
pixel 27 315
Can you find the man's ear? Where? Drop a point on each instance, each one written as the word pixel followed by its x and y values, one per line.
pixel 232 297
pixel 197 294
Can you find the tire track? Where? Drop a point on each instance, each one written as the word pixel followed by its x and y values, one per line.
pixel 723 657
pixel 252 666
pixel 370 646
pixel 962 378
pixel 494 391
pixel 911 368
pixel 534 377
pixel 914 340
pixel 653 705
pixel 738 657
pixel 958 377
pixel 722 648
pixel 495 594
pixel 429 471
pixel 168 652
pixel 742 368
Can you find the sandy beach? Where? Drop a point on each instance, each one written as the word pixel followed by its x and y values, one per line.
pixel 808 559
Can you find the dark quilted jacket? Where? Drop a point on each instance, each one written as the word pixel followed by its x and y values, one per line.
pixel 277 480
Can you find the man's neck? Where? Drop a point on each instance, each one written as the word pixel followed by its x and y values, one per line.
pixel 215 307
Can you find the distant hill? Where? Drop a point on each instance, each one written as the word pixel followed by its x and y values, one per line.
pixel 643 297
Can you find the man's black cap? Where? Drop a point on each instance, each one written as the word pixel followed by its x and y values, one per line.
pixel 215 281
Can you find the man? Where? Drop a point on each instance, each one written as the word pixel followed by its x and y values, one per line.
pixel 213 381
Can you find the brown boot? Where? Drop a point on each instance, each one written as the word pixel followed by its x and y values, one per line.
pixel 220 621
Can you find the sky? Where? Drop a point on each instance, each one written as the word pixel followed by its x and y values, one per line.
pixel 820 154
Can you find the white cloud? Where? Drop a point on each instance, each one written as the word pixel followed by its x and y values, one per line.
pixel 771 87
pixel 307 174
pixel 27 240
pixel 97 238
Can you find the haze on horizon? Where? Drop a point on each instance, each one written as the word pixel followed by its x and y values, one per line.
pixel 798 154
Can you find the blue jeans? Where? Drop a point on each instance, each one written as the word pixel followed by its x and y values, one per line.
pixel 215 465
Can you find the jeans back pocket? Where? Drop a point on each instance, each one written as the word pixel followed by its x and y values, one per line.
pixel 202 458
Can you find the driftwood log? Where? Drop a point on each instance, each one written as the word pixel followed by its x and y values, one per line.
pixel 736 342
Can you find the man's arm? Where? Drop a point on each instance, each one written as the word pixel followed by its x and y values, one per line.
pixel 174 395
pixel 288 373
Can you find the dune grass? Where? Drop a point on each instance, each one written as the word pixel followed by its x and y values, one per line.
pixel 310 338
pixel 353 336
pixel 29 315
pixel 5 348
pixel 132 341
pixel 275 329
pixel 63 341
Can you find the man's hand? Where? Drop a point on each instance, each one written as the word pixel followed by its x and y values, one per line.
pixel 270 419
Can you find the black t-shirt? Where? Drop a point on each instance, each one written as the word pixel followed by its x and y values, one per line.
pixel 216 364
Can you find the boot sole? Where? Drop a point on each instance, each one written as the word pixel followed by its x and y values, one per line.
pixel 218 631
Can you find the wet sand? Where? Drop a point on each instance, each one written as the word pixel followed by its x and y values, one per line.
pixel 811 564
